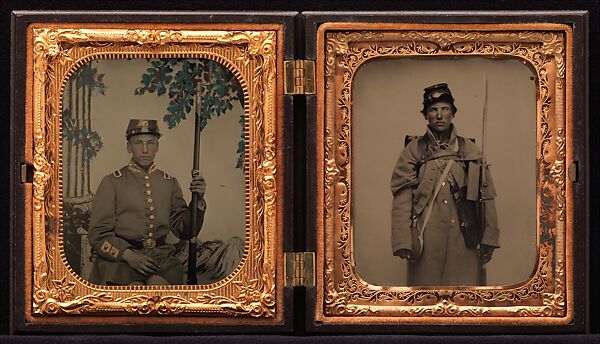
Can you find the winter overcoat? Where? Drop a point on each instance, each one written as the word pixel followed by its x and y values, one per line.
pixel 445 260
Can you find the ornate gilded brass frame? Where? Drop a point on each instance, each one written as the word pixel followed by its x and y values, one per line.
pixel 54 293
pixel 546 297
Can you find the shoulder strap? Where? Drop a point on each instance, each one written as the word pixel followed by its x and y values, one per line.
pixel 421 146
pixel 117 174
pixel 423 158
pixel 410 138
pixel 458 156
pixel 430 206
pixel 462 150
pixel 461 147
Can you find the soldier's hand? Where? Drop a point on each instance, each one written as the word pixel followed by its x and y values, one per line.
pixel 485 253
pixel 198 184
pixel 140 262
pixel 404 253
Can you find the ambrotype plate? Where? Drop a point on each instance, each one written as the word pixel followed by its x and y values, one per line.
pixel 413 122
pixel 99 97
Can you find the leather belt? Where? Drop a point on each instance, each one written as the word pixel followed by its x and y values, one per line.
pixel 148 243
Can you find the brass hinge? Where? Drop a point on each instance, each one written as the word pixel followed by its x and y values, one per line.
pixel 299 77
pixel 26 173
pixel 299 269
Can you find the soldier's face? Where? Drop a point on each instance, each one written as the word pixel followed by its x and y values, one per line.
pixel 439 115
pixel 143 148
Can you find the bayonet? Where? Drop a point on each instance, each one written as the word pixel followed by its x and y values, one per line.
pixel 482 176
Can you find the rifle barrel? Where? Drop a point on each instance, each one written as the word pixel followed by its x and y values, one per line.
pixel 484 124
pixel 191 271
pixel 482 181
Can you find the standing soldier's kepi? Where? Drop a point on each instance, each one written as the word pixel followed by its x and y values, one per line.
pixel 133 211
pixel 444 218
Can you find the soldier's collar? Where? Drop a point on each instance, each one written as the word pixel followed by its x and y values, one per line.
pixel 451 144
pixel 133 166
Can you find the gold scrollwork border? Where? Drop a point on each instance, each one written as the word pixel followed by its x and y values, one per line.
pixel 344 297
pixel 252 54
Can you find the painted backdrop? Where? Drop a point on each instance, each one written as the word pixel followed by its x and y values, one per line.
pixel 94 121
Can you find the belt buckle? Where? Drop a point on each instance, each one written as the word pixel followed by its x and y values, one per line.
pixel 149 243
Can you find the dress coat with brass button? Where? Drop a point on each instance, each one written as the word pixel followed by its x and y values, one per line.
pixel 136 209
pixel 445 259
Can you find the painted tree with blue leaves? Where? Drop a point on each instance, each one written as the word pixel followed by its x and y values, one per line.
pixel 186 81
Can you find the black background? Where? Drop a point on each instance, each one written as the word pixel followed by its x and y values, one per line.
pixel 592 6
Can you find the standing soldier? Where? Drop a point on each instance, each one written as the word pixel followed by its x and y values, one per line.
pixel 438 223
pixel 133 211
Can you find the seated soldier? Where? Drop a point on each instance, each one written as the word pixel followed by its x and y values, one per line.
pixel 133 211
